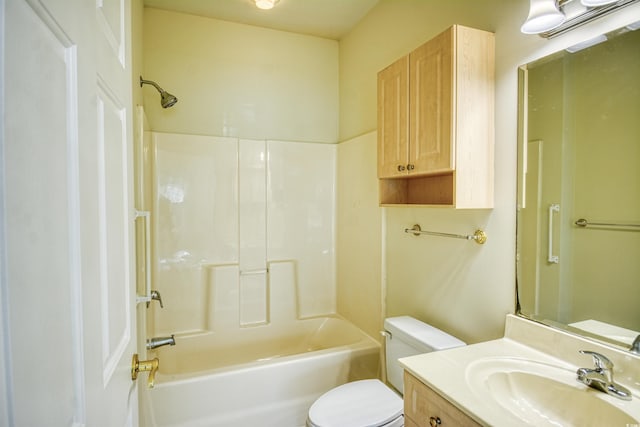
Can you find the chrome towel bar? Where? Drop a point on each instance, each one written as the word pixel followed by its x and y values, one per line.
pixel 478 236
pixel 584 223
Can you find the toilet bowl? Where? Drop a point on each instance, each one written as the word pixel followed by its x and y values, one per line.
pixel 360 403
pixel 370 403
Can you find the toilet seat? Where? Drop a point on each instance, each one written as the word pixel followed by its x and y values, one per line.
pixel 366 403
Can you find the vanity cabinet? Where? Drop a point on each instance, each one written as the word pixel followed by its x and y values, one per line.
pixel 423 407
pixel 436 122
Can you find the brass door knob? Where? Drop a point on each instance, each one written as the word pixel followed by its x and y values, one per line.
pixel 150 366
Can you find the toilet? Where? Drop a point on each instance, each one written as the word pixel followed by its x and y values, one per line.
pixel 370 403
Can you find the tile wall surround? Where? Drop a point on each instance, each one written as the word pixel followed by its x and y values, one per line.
pixel 244 231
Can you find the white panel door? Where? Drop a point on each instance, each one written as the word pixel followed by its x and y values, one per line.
pixel 67 277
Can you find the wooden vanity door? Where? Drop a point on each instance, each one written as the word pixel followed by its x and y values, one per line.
pixel 424 407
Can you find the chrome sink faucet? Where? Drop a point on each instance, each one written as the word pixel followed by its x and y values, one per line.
pixel 635 347
pixel 601 377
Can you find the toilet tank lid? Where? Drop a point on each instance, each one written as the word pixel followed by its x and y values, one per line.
pixel 414 331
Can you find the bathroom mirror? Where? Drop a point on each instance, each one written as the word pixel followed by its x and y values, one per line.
pixel 578 213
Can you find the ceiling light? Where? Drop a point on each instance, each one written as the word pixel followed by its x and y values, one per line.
pixel 597 3
pixel 266 4
pixel 544 15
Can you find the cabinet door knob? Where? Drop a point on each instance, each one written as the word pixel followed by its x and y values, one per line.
pixel 434 421
pixel 411 167
pixel 401 168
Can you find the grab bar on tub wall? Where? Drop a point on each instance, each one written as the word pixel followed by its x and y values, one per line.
pixel 146 215
pixel 552 259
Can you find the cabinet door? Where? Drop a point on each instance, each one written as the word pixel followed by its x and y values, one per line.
pixel 408 422
pixel 425 407
pixel 431 102
pixel 393 120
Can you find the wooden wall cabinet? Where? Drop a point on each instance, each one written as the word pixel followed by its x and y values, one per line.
pixel 436 123
pixel 423 407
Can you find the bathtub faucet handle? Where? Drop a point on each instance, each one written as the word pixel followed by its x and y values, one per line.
pixel 155 295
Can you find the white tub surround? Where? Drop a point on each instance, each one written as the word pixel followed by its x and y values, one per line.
pixel 243 238
pixel 243 232
pixel 460 375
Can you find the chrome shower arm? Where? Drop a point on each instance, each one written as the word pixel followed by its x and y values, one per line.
pixel 150 82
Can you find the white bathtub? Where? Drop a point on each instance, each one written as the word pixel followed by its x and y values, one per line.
pixel 264 376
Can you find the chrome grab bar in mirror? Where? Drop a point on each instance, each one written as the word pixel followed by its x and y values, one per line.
pixel 552 259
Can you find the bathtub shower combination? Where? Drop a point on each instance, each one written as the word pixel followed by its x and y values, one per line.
pixel 243 238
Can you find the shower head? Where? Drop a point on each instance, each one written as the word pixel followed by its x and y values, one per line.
pixel 166 99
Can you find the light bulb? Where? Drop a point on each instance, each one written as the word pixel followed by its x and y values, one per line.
pixel 597 3
pixel 543 16
pixel 265 4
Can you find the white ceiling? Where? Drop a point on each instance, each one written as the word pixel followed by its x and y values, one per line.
pixel 323 18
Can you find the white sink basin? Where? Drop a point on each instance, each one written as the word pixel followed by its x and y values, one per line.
pixel 541 394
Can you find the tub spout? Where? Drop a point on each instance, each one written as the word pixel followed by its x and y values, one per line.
pixel 160 341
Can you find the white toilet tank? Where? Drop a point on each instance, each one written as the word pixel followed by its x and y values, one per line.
pixel 406 336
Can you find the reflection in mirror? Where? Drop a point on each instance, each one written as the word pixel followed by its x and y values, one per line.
pixel 579 158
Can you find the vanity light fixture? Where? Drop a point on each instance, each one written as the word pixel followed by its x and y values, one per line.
pixel 544 15
pixel 266 4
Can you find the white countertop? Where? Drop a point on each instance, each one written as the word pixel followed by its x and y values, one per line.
pixel 451 372
pixel 446 373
